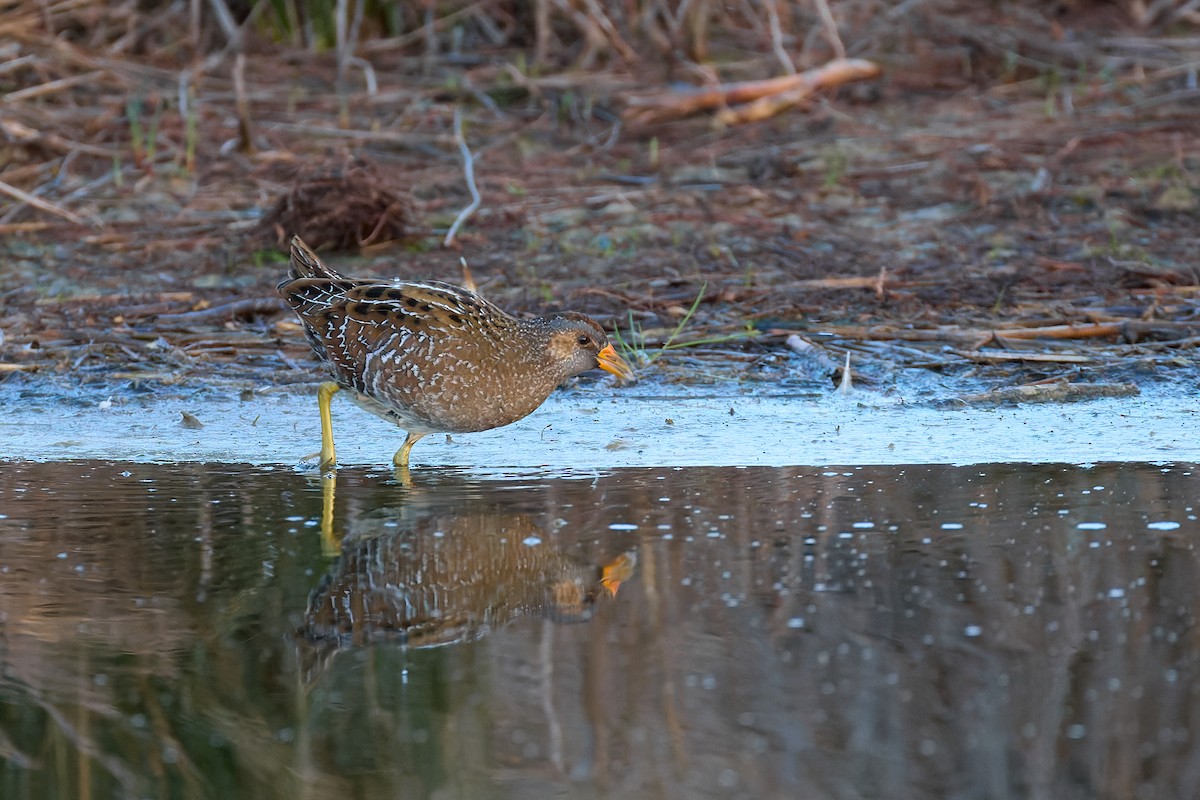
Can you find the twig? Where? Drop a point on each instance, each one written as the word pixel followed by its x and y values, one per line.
pixel 781 53
pixel 803 347
pixel 827 20
pixel 430 28
pixel 1050 393
pixel 834 73
pixel 245 130
pixel 996 356
pixel 347 31
pixel 24 227
pixel 976 338
pixel 19 132
pixel 51 87
pixel 431 43
pixel 227 24
pixel 237 308
pixel 542 32
pixel 953 333
pixel 399 139
pixel 1087 331
pixel 37 202
pixel 792 89
pixel 469 173
pixel 342 44
pixel 601 19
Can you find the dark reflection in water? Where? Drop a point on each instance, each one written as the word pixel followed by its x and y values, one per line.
pixel 448 575
pixel 921 632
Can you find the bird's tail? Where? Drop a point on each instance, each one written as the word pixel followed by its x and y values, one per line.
pixel 305 263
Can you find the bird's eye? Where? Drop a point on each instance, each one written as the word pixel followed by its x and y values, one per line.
pixel 584 341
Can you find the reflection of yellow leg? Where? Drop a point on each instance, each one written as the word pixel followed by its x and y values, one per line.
pixel 330 544
pixel 324 396
pixel 403 477
pixel 401 457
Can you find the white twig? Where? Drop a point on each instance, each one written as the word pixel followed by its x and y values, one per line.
pixel 341 24
pixel 227 23
pixel 781 52
pixel 368 74
pixel 831 30
pixel 469 172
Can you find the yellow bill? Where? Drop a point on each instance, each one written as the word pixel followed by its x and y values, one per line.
pixel 609 361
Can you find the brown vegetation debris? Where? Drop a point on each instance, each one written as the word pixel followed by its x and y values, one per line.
pixel 341 206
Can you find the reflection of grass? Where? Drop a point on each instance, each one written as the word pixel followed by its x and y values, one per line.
pixel 632 342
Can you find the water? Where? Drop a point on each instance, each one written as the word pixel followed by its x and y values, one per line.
pixel 1004 631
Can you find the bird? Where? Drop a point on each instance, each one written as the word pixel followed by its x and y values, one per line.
pixel 433 357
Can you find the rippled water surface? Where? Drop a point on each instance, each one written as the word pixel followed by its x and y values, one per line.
pixel 905 632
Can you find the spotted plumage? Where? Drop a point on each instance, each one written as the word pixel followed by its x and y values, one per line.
pixel 431 356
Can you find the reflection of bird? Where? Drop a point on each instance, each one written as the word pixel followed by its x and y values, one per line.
pixel 451 579
pixel 431 356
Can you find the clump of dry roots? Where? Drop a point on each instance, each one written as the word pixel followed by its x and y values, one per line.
pixel 341 206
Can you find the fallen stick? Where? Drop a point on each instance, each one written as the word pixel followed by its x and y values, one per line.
pixel 1088 331
pixel 51 87
pixel 878 283
pixel 237 308
pixel 37 202
pixel 887 333
pixel 995 356
pixel 803 347
pixel 832 74
pixel 1132 327
pixel 24 227
pixel 1049 393
pixel 19 132
pixel 663 106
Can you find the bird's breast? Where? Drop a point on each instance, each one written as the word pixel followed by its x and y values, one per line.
pixel 428 388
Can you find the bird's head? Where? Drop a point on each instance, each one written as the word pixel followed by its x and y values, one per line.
pixel 577 343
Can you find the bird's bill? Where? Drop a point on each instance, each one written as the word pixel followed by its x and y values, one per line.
pixel 617 571
pixel 608 360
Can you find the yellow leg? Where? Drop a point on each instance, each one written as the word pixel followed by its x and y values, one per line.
pixel 324 396
pixel 401 457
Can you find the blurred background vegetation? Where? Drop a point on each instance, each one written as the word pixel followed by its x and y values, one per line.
pixel 556 34
pixel 146 144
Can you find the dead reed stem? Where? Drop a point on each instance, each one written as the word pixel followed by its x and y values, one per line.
pixel 469 174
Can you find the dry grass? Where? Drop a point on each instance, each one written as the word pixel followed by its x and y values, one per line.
pixel 110 93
